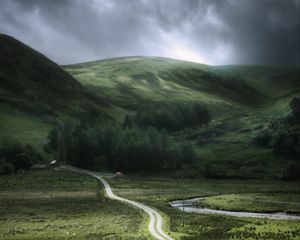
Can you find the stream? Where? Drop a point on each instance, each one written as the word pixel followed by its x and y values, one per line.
pixel 187 206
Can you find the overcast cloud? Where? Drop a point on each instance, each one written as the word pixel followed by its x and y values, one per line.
pixel 208 31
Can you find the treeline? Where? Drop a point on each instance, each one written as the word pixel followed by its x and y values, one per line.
pixel 174 119
pixel 111 146
pixel 17 156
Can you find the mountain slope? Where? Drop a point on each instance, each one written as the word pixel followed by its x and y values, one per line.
pixel 35 93
pixel 135 82
pixel 33 89
pixel 270 80
pixel 244 100
pixel 28 77
pixel 140 82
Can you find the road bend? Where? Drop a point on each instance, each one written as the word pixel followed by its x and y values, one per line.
pixel 155 222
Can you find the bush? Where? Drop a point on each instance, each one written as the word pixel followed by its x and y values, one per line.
pixel 263 137
pixel 6 168
pixel 252 172
pixel 217 170
pixel 292 171
pixel 17 156
pixel 294 118
pixel 22 161
pixel 287 142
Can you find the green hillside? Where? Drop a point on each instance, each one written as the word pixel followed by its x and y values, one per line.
pixel 141 82
pixel 135 82
pixel 271 80
pixel 35 92
pixel 243 100
pixel 245 130
pixel 227 146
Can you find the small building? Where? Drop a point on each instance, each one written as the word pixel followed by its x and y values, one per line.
pixel 53 163
pixel 40 167
pixel 119 174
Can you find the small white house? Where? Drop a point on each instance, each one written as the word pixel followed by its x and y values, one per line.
pixel 119 174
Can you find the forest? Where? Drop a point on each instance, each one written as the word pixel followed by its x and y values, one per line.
pixel 141 143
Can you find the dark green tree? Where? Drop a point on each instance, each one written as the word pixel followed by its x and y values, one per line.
pixel 127 122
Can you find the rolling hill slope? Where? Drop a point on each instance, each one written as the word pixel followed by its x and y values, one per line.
pixel 271 80
pixel 139 82
pixel 35 92
pixel 243 100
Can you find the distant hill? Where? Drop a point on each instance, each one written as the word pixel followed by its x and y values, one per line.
pixel 136 82
pixel 271 80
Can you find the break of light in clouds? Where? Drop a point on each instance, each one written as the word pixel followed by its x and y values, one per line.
pixel 207 31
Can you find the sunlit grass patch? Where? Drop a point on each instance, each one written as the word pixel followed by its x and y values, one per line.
pixel 64 205
pixel 157 191
pixel 24 128
pixel 254 202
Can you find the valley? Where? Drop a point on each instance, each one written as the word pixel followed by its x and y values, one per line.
pixel 174 130
pixel 60 204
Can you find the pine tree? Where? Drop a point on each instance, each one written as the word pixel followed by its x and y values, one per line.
pixel 127 122
pixel 61 150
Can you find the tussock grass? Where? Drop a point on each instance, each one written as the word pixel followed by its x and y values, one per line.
pixel 64 205
pixel 157 191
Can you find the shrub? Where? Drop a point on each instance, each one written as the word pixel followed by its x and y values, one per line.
pixel 6 168
pixel 292 171
pixel 263 137
pixel 287 142
pixel 18 156
pixel 294 118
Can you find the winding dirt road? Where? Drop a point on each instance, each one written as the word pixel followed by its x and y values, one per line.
pixel 155 223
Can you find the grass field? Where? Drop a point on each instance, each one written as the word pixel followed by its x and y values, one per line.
pixel 23 128
pixel 157 191
pixel 254 202
pixel 63 205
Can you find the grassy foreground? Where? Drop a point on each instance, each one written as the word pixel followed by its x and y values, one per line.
pixel 157 191
pixel 63 205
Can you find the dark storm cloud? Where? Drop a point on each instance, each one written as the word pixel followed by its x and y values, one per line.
pixel 213 31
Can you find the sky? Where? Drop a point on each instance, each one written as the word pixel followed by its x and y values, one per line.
pixel 216 32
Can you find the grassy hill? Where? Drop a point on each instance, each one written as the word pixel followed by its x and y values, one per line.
pixel 227 146
pixel 35 92
pixel 243 100
pixel 141 82
pixel 134 82
pixel 271 80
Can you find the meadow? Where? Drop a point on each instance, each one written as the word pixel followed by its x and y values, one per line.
pixel 63 205
pixel 254 202
pixel 158 191
pixel 58 204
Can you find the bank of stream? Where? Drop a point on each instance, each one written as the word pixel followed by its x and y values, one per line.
pixel 188 206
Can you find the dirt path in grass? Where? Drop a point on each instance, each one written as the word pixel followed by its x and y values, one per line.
pixel 155 223
pixel 187 206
